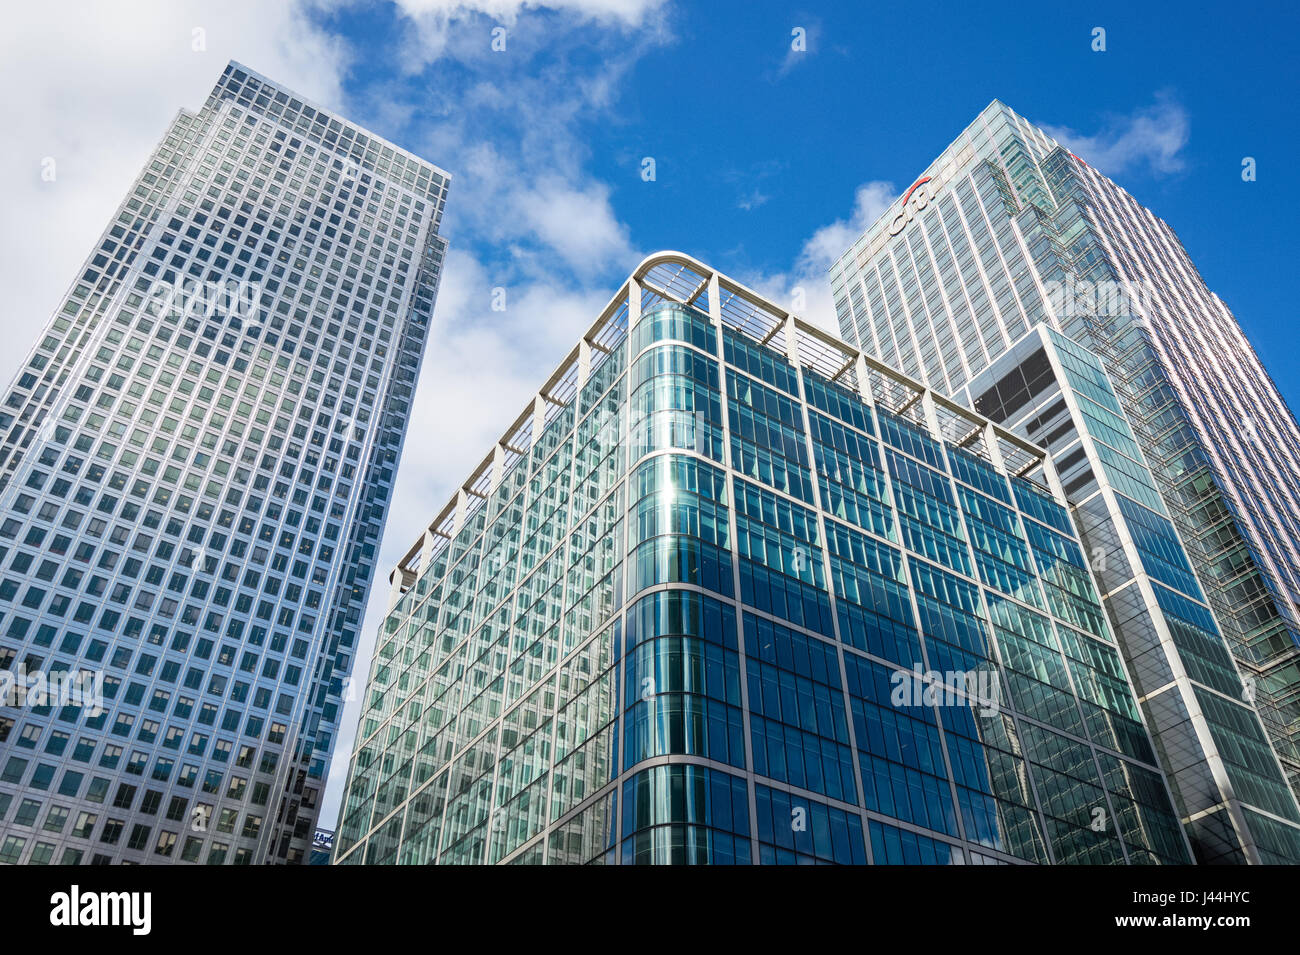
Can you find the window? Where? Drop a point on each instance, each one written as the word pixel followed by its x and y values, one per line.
pixel 27 812
pixel 112 831
pixel 12 849
pixel 56 819
pixel 139 837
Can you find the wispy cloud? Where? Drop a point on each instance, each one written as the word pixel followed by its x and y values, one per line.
pixel 748 181
pixel 435 23
pixel 514 126
pixel 828 243
pixel 578 224
pixel 802 41
pixel 526 220
pixel 1152 137
pixel 803 288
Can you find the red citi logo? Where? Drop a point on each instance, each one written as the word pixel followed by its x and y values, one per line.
pixel 916 199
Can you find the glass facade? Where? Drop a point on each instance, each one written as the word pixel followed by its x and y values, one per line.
pixel 1226 781
pixel 730 591
pixel 1008 230
pixel 196 460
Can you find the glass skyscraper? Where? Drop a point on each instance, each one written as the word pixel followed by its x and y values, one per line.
pixel 730 590
pixel 1192 515
pixel 196 460
pixel 1235 804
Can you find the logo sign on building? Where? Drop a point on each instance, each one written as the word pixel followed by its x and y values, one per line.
pixel 916 199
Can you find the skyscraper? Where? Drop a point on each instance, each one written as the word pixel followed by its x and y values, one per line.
pixel 1194 512
pixel 196 462
pixel 729 590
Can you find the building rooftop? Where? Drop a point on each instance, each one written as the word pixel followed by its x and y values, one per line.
pixel 674 277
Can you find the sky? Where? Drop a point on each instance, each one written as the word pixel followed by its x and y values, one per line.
pixel 768 160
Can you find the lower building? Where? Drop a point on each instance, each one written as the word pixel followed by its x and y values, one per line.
pixel 1228 784
pixel 731 591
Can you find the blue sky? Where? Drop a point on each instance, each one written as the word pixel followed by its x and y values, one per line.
pixel 757 147
pixel 767 161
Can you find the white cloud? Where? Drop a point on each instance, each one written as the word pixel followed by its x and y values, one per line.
pixel 578 224
pixel 523 214
pixel 804 288
pixel 628 13
pixel 1153 136
pixel 480 368
pixel 434 21
pixel 94 86
pixel 830 241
